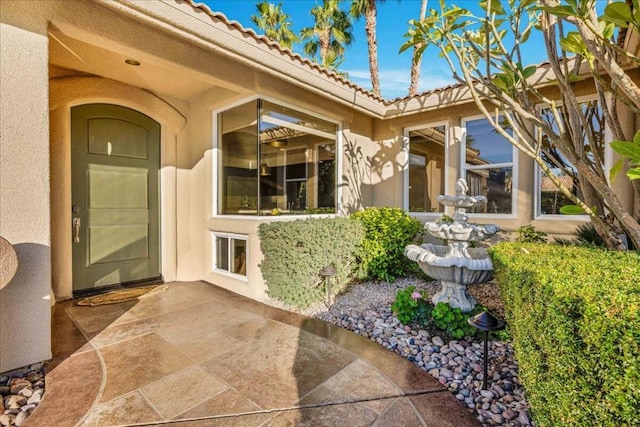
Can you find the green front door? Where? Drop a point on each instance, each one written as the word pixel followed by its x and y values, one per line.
pixel 115 161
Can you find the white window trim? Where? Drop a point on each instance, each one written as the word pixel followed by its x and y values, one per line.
pixel 608 156
pixel 513 165
pixel 405 178
pixel 214 236
pixel 216 156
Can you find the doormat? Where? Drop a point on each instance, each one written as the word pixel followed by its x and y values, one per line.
pixel 123 295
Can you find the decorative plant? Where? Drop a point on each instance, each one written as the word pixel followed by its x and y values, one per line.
pixel 411 306
pixel 629 150
pixel 388 232
pixel 529 234
pixel 452 320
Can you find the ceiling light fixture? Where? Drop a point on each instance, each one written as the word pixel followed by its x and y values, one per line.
pixel 277 143
pixel 132 62
pixel 265 170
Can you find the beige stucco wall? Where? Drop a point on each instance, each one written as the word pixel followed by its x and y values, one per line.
pixel 24 194
pixel 67 92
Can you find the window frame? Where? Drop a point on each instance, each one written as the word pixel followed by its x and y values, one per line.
pixel 216 157
pixel 230 236
pixel 537 177
pixel 406 152
pixel 514 164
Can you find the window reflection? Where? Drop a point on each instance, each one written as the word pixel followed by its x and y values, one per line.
pixel 489 167
pixel 426 169
pixel 275 160
pixel 550 199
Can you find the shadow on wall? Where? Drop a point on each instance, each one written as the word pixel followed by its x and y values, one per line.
pixel 366 172
pixel 25 303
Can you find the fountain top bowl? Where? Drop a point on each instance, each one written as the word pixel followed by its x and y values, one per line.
pixel 461 199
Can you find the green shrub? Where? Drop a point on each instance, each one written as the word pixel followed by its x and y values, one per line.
pixel 529 234
pixel 295 252
pixel 412 306
pixel 574 315
pixel 388 232
pixel 453 320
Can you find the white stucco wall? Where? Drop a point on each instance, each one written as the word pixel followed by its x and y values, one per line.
pixel 24 196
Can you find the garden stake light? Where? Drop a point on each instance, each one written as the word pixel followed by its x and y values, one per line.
pixel 486 322
pixel 327 273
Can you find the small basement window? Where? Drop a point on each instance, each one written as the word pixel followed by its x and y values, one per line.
pixel 230 254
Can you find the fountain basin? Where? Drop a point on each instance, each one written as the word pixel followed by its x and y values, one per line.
pixel 454 273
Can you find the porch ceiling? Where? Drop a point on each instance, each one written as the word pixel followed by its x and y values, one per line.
pixel 156 75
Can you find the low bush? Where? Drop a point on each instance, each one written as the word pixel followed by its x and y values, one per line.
pixel 295 252
pixel 388 232
pixel 453 320
pixel 529 234
pixel 411 306
pixel 574 315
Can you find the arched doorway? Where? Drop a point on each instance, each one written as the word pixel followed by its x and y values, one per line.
pixel 115 197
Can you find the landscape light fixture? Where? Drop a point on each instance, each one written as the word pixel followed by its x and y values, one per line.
pixel 486 322
pixel 327 273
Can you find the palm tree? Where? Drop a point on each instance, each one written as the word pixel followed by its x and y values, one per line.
pixel 417 59
pixel 368 9
pixel 275 23
pixel 329 36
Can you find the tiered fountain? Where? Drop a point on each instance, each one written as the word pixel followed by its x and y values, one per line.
pixel 456 265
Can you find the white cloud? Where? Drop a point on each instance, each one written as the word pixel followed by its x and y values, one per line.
pixel 395 82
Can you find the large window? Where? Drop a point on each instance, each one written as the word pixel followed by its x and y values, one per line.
pixel 489 167
pixel 426 168
pixel 549 198
pixel 274 160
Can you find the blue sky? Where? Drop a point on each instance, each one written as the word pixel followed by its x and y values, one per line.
pixel 393 18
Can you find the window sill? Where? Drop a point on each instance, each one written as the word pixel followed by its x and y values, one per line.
pixel 231 275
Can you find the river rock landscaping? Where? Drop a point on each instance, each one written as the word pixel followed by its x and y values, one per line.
pixel 20 393
pixel 457 364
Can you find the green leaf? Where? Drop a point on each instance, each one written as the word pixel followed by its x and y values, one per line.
pixel 618 13
pixel 573 43
pixel 615 170
pixel 560 11
pixel 502 82
pixel 633 173
pixel 495 7
pixel 636 138
pixel 529 71
pixel 572 210
pixel 608 30
pixel 525 35
pixel 627 149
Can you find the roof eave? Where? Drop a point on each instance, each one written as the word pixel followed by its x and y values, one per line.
pixel 190 22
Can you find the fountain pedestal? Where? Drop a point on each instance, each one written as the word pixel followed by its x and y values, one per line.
pixel 456 265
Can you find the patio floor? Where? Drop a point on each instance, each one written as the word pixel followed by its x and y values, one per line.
pixel 198 355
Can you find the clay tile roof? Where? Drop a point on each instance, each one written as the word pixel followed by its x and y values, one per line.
pixel 237 26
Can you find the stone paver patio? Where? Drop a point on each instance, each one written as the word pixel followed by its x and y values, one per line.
pixel 198 355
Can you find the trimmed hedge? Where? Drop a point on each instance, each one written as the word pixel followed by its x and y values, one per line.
pixel 574 315
pixel 388 232
pixel 295 252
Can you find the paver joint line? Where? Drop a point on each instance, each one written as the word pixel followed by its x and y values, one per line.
pixel 291 408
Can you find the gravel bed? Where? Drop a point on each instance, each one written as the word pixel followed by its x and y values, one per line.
pixel 20 392
pixel 365 308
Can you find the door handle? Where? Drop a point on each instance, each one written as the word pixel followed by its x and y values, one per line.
pixel 76 230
